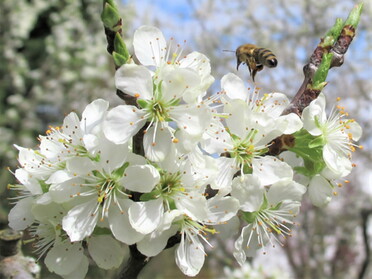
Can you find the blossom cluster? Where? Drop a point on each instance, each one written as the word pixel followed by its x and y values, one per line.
pixel 205 164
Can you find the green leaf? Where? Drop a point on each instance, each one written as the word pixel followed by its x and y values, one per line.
pixel 119 59
pixel 120 47
pixel 354 16
pixel 333 33
pixel 110 17
pixel 322 72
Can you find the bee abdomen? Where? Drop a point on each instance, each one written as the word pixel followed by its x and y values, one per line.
pixel 266 57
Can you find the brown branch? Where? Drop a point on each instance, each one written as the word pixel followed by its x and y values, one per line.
pixel 306 94
pixel 365 215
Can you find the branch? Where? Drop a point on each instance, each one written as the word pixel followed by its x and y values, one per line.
pixel 329 53
pixel 365 215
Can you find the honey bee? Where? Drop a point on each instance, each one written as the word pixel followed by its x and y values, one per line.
pixel 255 57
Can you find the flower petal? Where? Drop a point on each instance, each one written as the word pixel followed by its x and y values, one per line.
pixel 64 258
pixel 320 191
pixel 106 251
pixel 149 45
pixel 93 114
pixel 140 178
pixel 122 123
pixel 189 257
pixel 270 169
pixel 249 191
pixel 234 87
pixel 20 216
pixel 192 119
pixel 145 217
pixel 285 190
pixel 134 80
pixel 120 225
pixel 81 220
pixel 156 143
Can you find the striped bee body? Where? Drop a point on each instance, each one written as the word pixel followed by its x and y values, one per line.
pixel 255 57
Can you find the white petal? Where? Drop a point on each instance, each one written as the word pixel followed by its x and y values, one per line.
pixel 65 191
pixel 216 139
pixel 239 117
pixel 93 114
pixel 284 190
pixel 105 251
pixel 201 64
pixel 229 229
pixel 135 81
pixel 289 123
pixel 152 244
pixel 234 87
pixel 249 191
pixel 80 272
pixel 112 156
pixel 64 258
pixel 320 191
pixel 20 216
pixel 274 104
pixel 71 127
pixel 194 205
pixel 336 162
pixel 224 178
pixel 119 223
pixel 122 123
pixel 145 217
pixel 178 82
pixel 189 257
pixel 222 209
pixel 47 212
pixel 192 119
pixel 316 110
pixel 156 143
pixel 356 130
pixel 79 166
pixel 81 220
pixel 270 169
pixel 149 45
pixel 30 182
pixel 246 245
pixel 140 178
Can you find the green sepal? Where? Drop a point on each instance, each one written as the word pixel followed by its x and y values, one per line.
pixel 277 207
pixel 110 17
pixel 249 217
pixel 44 186
pixel 142 103
pixel 101 231
pixel 119 173
pixel 247 169
pixel 175 102
pixel 120 47
pixel 317 142
pixel 354 16
pixel 265 203
pixel 119 59
pixel 150 196
pixel 333 33
pixel 322 72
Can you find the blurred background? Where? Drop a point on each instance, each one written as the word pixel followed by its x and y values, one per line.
pixel 53 60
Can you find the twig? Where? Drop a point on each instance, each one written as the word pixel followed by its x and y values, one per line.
pixel 365 215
